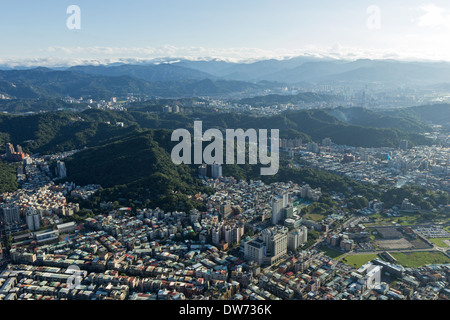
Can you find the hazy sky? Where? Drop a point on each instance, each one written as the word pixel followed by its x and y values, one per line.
pixel 36 31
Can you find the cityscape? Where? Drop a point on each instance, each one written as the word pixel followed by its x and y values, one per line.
pixel 110 190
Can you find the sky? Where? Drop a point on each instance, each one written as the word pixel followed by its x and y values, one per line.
pixel 42 32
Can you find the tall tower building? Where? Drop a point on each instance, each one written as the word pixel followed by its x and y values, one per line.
pixel 10 214
pixel 216 234
pixel 278 203
pixel 61 170
pixel 276 241
pixel 216 170
pixel 404 145
pixel 32 219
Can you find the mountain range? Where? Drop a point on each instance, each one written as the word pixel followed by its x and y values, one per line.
pixel 184 78
pixel 289 71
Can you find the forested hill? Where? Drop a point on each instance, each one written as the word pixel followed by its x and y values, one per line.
pixel 138 167
pixel 68 130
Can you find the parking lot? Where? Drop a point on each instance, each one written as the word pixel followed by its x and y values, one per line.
pixel 432 232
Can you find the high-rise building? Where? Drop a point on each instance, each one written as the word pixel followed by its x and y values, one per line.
pixel 278 203
pixel 313 147
pixel 228 233
pixel 236 233
pixel 203 170
pixel 216 170
pixel 61 170
pixel 326 142
pixel 32 219
pixel 276 242
pixel 13 155
pixel 269 248
pixel 9 150
pixel 404 145
pixel 216 233
pixel 297 237
pixel 348 157
pixel 306 192
pixel 255 250
pixel 225 209
pixel 10 214
pixel 304 234
pixel 293 240
pixel 290 143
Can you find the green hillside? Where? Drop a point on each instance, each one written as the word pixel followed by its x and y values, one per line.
pixel 137 167
pixel 8 180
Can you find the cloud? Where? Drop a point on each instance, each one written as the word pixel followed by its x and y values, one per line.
pixel 433 17
pixel 57 56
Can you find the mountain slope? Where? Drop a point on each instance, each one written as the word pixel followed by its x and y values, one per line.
pixel 59 131
pixel 153 73
pixel 137 167
pixel 46 83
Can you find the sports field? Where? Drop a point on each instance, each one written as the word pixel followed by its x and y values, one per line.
pixel 419 259
pixel 357 260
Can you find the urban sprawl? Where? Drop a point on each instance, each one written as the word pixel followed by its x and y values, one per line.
pixel 253 242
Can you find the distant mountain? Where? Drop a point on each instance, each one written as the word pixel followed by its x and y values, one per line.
pixel 320 124
pixel 152 73
pixel 46 83
pixel 37 105
pixel 251 71
pixel 216 78
pixel 316 70
pixel 366 71
pixel 206 87
pixel 435 114
pixel 380 119
pixel 302 69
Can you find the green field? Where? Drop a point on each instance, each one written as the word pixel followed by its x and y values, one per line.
pixel 357 260
pixel 407 218
pixel 419 259
pixel 314 217
pixel 440 242
pixel 332 253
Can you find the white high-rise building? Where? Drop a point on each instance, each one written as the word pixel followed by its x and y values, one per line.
pixel 255 250
pixel 297 237
pixel 32 219
pixel 278 203
pixel 276 241
pixel 216 234
pixel 216 171
pixel 61 170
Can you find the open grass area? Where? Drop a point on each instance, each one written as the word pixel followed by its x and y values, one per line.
pixel 301 206
pixel 314 217
pixel 407 218
pixel 332 253
pixel 357 260
pixel 419 259
pixel 440 242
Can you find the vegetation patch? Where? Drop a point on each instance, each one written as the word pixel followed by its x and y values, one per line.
pixel 332 253
pixel 419 259
pixel 357 260
pixel 441 242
